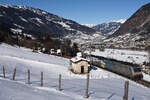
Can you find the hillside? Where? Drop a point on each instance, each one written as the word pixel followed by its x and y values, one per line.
pixel 108 28
pixel 138 23
pixel 135 32
pixel 103 85
pixel 23 19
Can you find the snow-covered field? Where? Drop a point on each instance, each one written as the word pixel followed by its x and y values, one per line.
pixel 103 85
pixel 137 57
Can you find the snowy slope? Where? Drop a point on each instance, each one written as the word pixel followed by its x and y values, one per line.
pixel 103 85
pixel 23 58
pixel 20 91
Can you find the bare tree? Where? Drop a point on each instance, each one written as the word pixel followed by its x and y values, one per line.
pixel 148 50
pixel 149 56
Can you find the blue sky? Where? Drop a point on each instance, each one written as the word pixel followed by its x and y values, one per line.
pixel 85 11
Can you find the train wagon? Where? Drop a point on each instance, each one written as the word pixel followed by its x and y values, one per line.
pixel 127 69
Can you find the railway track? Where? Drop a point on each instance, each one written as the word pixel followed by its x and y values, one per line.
pixel 142 82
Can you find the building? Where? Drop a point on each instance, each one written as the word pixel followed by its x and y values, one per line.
pixel 52 51
pixel 59 51
pixel 79 65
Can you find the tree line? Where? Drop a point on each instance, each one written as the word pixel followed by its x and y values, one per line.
pixel 43 43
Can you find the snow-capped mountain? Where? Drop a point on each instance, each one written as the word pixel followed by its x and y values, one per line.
pixel 102 31
pixel 119 21
pixel 108 28
pixel 23 19
pixel 89 25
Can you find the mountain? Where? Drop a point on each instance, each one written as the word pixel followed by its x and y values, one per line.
pixel 102 32
pixel 135 29
pixel 89 25
pixel 28 20
pixel 138 23
pixel 108 28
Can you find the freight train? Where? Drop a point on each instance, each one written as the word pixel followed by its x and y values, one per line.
pixel 126 69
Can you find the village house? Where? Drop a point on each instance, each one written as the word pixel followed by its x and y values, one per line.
pixel 58 51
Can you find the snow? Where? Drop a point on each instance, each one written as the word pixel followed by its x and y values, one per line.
pixel 79 54
pixel 19 26
pixel 137 57
pixel 89 25
pixel 76 59
pixel 16 30
pixel 23 19
pixel 19 91
pixel 96 35
pixel 120 21
pixel 63 24
pixel 103 85
pixel 146 77
pixel 113 31
pixel 38 20
pixel 3 5
pixel 43 12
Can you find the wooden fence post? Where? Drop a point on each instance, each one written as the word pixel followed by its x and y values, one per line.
pixel 59 88
pixel 3 71
pixel 126 87
pixel 41 78
pixel 87 86
pixel 28 76
pixel 14 74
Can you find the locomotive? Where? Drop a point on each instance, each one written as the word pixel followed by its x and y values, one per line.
pixel 130 70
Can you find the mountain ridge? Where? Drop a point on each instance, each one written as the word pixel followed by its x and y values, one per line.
pixel 135 32
pixel 108 28
pixel 36 21
pixel 139 21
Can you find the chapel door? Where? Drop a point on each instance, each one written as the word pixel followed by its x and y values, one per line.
pixel 82 69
